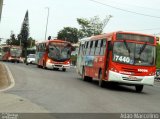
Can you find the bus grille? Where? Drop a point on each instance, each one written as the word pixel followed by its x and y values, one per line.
pixel 132 79
pixel 58 65
pixel 133 71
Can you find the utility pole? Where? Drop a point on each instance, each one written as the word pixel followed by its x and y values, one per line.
pixel 47 22
pixel 0 46
pixel 0 41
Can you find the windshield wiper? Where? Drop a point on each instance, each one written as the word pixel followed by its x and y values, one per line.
pixel 142 49
pixel 125 43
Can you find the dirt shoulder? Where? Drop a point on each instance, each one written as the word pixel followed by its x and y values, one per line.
pixel 4 77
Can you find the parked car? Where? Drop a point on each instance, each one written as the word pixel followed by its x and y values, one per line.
pixel 31 59
pixel 157 74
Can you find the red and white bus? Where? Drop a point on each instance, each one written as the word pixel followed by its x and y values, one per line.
pixel 123 57
pixel 53 54
pixel 11 53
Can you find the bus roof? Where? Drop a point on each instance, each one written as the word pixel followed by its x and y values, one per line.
pixel 110 35
pixel 54 40
pixel 11 46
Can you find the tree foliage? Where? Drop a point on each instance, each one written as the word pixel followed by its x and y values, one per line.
pixel 24 34
pixel 89 27
pixel 30 42
pixel 13 40
pixel 69 34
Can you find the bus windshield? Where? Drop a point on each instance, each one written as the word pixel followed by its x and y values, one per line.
pixel 134 53
pixel 16 52
pixel 59 51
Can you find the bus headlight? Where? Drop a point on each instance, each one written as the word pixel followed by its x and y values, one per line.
pixel 114 69
pixel 48 61
pixel 152 74
pixel 10 58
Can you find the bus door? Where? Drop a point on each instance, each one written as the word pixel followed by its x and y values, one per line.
pixel 108 49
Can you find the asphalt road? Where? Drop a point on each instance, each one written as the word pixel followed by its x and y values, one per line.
pixel 63 92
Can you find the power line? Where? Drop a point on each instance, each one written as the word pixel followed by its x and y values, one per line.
pixel 125 9
pixel 129 5
pixel 144 29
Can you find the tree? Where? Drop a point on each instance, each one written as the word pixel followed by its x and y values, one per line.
pixel 31 42
pixel 69 34
pixel 13 40
pixel 92 26
pixel 24 34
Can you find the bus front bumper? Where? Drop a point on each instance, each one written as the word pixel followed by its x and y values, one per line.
pixel 59 66
pixel 133 80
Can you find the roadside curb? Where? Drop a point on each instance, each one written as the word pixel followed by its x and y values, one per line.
pixel 12 103
pixel 10 79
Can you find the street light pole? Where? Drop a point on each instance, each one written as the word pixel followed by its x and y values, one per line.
pixel 47 22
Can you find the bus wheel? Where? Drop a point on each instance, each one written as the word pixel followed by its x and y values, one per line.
pixel 38 66
pixel 44 65
pixel 139 88
pixel 101 82
pixel 84 78
pixel 64 69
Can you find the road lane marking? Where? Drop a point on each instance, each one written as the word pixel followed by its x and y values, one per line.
pixel 11 79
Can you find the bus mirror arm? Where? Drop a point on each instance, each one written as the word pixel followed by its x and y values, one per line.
pixel 110 47
pixel 47 50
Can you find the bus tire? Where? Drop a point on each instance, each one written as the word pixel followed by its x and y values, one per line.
pixel 64 69
pixel 44 65
pixel 101 82
pixel 89 79
pixel 84 78
pixel 38 66
pixel 139 88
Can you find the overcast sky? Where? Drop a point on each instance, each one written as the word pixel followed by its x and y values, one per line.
pixel 63 13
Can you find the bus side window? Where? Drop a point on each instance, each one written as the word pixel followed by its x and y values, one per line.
pixel 97 51
pixel 103 46
pixel 40 47
pixel 88 48
pixel 85 47
pixel 92 48
pixel 44 47
pixel 81 49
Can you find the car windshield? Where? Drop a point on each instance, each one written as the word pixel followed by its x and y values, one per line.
pixel 59 51
pixel 132 53
pixel 16 52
